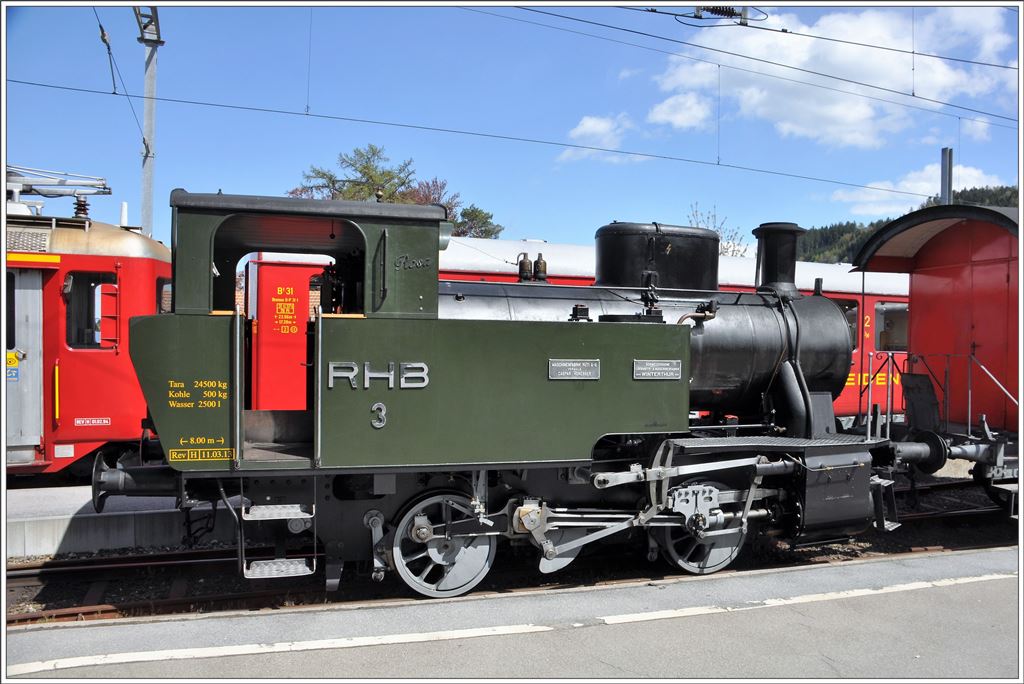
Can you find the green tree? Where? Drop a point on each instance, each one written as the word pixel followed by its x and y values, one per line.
pixel 840 242
pixel 997 196
pixel 365 175
pixel 475 222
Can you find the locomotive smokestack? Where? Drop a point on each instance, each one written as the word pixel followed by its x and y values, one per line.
pixel 776 257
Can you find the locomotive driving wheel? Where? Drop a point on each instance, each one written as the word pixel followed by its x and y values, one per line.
pixel 684 547
pixel 437 549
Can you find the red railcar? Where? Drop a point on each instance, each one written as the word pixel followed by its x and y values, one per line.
pixel 72 284
pixel 964 308
pixel 963 341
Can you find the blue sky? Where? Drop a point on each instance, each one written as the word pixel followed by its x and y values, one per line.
pixel 450 67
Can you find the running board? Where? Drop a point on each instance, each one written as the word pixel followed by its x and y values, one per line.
pixel 279 567
pixel 278 512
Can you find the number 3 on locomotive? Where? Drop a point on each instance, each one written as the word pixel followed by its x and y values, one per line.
pixel 381 419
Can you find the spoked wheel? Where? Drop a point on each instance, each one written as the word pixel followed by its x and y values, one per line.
pixel 435 549
pixel 683 549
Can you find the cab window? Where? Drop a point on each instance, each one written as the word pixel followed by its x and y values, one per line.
pixel 82 295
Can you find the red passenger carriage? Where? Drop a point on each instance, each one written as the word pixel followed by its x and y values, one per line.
pixel 72 284
pixel 964 349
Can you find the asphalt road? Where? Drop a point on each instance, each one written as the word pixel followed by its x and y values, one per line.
pixel 945 615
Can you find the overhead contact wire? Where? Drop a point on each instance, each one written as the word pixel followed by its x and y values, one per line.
pixel 788 32
pixel 768 61
pixel 478 134
pixel 110 54
pixel 734 68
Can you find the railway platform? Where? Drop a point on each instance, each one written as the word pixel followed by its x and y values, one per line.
pixel 940 615
pixel 47 521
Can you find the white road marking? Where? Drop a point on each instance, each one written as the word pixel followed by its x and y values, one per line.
pixel 793 600
pixel 665 614
pixel 255 649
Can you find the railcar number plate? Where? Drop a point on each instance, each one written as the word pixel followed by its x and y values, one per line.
pixel 657 369
pixel 574 369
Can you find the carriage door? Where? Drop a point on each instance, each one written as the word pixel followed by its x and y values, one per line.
pixel 24 383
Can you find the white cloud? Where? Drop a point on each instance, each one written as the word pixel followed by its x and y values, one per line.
pixel 629 73
pixel 687 74
pixel 598 131
pixel 975 129
pixel 601 131
pixel 935 137
pixel 925 181
pixel 836 119
pixel 686 110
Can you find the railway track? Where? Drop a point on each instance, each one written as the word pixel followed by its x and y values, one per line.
pixel 198 581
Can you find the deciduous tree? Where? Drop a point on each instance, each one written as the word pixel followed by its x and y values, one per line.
pixel 730 239
pixel 366 176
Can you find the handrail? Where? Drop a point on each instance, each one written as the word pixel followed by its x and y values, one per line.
pixel 998 384
pixel 888 366
pixel 238 352
pixel 972 359
pixel 384 266
pixel 56 391
pixel 317 374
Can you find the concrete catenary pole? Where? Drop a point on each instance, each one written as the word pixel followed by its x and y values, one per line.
pixel 149 35
pixel 946 196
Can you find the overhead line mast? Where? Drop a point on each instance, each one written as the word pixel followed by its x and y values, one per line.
pixel 149 35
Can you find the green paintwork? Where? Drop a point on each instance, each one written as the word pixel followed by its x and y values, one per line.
pixel 489 399
pixel 193 351
pixel 398 245
pixel 406 265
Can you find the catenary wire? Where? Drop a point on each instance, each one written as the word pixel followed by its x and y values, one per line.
pixel 113 61
pixel 478 134
pixel 788 32
pixel 105 39
pixel 736 68
pixel 309 57
pixel 768 61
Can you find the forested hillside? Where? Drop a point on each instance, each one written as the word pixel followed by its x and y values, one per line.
pixel 839 242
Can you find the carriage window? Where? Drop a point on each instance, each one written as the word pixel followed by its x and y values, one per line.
pixel 891 326
pixel 82 293
pixel 849 309
pixel 11 316
pixel 163 295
